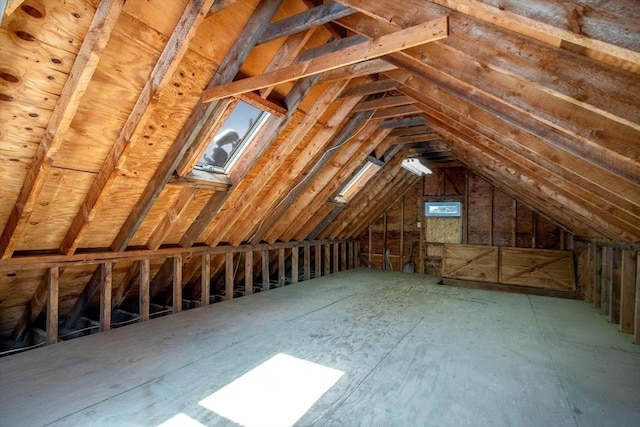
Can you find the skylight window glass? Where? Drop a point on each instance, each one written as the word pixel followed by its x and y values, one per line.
pixel 226 146
pixel 357 182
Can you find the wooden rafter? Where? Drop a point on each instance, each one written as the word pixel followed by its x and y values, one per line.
pixel 403 39
pixel 200 120
pixel 356 125
pixel 238 196
pixel 574 34
pixel 304 21
pixel 82 71
pixel 512 84
pixel 294 223
pixel 175 49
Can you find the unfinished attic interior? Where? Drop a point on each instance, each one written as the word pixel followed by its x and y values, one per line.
pixel 394 201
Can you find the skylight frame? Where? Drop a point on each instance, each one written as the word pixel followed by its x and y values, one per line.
pixel 244 141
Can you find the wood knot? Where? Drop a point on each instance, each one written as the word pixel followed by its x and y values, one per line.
pixel 25 36
pixel 7 76
pixel 32 11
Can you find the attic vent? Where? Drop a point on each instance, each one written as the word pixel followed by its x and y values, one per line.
pixel 227 145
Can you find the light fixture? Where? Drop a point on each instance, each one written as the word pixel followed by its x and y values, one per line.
pixel 414 166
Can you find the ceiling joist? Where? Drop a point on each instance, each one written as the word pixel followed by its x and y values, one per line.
pixel 403 39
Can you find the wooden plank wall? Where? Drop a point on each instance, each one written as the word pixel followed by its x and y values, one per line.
pixel 609 280
pixel 489 217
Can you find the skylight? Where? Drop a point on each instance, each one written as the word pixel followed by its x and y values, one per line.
pixel 357 182
pixel 227 145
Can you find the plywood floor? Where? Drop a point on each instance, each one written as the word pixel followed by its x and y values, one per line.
pixel 410 353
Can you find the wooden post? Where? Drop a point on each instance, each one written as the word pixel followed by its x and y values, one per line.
pixel 465 212
pixel 588 273
pixel 401 232
pixel 370 241
pixel 343 256
pixel 177 284
pixel 534 231
pixel 514 230
pixel 597 275
pixel 53 276
pixel 228 275
pixel 143 294
pixel 318 258
pixel 357 254
pixel 614 289
pixel 106 271
pixel 336 256
pixel 628 291
pixel 605 280
pixel 384 241
pixel 421 229
pixel 307 262
pixel 352 254
pixel 281 267
pixel 265 269
pixel 491 191
pixel 295 253
pixel 636 328
pixel 327 259
pixel 248 272
pixel 205 277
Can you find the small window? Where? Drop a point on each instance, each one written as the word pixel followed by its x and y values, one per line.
pixel 356 183
pixel 226 146
pixel 442 209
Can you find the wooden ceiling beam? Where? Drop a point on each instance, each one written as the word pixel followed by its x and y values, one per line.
pixel 404 122
pixel 411 130
pixel 365 68
pixel 369 88
pixel 63 113
pixel 401 111
pixel 173 52
pixel 403 39
pixel 330 47
pixel 381 103
pixel 409 139
pixel 304 21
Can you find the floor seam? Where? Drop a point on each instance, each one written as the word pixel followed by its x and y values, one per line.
pixel 553 362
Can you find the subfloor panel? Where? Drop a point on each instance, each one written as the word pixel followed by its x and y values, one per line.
pixel 360 347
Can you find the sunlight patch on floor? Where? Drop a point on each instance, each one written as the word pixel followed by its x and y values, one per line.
pixel 277 392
